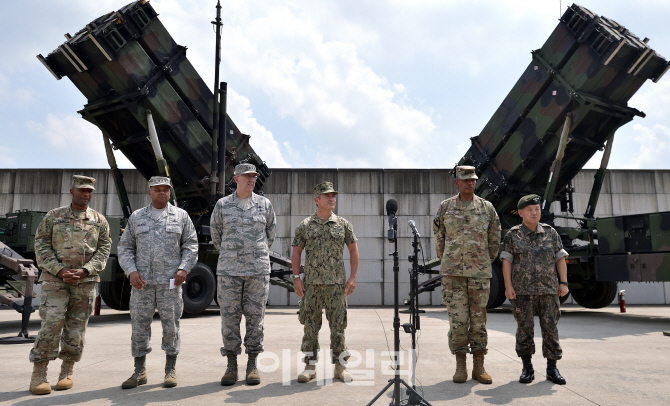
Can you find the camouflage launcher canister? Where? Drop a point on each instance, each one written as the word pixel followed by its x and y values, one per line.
pixel 126 63
pixel 589 67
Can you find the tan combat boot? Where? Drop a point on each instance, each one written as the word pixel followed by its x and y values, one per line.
pixel 478 371
pixel 308 374
pixel 253 377
pixel 230 376
pixel 461 374
pixel 170 371
pixel 341 373
pixel 38 380
pixel 65 380
pixel 139 377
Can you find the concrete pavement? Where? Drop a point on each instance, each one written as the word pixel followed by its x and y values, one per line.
pixel 609 359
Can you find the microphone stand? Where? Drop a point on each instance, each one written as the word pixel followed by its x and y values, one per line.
pixel 414 320
pixel 396 381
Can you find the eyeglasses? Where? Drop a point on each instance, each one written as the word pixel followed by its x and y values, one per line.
pixel 246 175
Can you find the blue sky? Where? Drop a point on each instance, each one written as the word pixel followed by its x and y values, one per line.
pixel 330 83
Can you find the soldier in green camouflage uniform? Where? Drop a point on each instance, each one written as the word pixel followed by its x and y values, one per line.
pixel 243 227
pixel 323 236
pixel 467 235
pixel 535 275
pixel 159 243
pixel 72 244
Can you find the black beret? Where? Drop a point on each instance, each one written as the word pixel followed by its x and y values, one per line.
pixel 528 200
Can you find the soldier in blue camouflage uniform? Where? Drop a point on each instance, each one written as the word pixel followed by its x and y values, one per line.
pixel 467 235
pixel 159 243
pixel 243 227
pixel 72 244
pixel 323 236
pixel 535 275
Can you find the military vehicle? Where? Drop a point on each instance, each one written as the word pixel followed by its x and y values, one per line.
pixel 566 106
pixel 151 104
pixel 17 279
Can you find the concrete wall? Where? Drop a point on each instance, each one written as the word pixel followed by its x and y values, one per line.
pixel 362 200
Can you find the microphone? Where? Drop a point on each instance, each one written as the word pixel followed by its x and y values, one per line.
pixel 412 225
pixel 391 209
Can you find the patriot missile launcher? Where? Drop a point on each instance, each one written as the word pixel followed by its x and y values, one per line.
pixel 566 106
pixel 141 87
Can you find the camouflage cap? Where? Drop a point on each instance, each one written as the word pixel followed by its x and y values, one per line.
pixel 324 187
pixel 527 201
pixel 245 168
pixel 83 182
pixel 465 172
pixel 159 180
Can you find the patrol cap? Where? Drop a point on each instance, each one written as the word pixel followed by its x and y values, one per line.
pixel 527 201
pixel 83 182
pixel 465 172
pixel 159 180
pixel 241 169
pixel 324 187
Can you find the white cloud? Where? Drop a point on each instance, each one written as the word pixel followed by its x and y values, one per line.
pixel 654 147
pixel 262 140
pixel 76 141
pixel 352 114
pixel 338 83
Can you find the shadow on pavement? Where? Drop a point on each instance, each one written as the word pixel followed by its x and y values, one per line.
pixel 513 390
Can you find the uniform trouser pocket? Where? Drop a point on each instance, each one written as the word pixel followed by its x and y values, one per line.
pixel 242 295
pixel 64 310
pixel 466 300
pixel 142 309
pixel 547 308
pixel 333 298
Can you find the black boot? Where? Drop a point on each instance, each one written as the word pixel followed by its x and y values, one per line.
pixel 527 374
pixel 553 374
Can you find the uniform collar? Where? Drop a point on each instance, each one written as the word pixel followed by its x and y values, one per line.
pixel 253 199
pixel 332 218
pixel 527 231
pixel 470 207
pixel 73 214
pixel 170 209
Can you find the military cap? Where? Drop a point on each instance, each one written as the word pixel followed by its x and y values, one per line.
pixel 245 168
pixel 83 182
pixel 159 180
pixel 465 172
pixel 324 187
pixel 527 201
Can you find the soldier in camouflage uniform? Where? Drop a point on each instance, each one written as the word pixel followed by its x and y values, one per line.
pixel 323 236
pixel 467 235
pixel 243 227
pixel 535 275
pixel 158 244
pixel 72 244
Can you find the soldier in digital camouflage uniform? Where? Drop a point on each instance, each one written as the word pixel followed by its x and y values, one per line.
pixel 467 235
pixel 535 275
pixel 243 227
pixel 159 243
pixel 72 244
pixel 323 236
